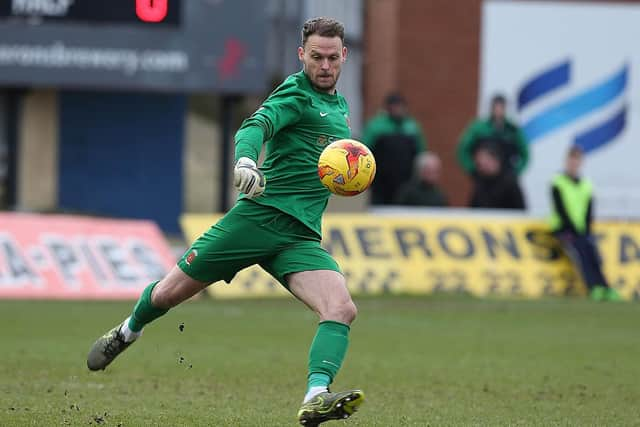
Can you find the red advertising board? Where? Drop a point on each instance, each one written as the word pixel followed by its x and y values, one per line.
pixel 73 257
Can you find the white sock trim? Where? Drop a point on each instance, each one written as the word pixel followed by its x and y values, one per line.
pixel 129 335
pixel 313 392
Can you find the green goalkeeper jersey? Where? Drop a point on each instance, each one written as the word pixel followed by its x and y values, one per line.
pixel 296 122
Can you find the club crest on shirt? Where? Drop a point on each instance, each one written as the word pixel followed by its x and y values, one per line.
pixel 192 255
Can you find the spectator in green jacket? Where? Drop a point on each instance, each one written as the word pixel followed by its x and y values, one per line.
pixel 424 188
pixel 498 132
pixel 395 139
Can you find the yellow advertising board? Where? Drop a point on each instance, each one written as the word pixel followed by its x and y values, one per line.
pixel 424 254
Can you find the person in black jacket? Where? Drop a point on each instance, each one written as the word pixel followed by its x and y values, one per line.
pixel 424 189
pixel 395 138
pixel 571 220
pixel 494 187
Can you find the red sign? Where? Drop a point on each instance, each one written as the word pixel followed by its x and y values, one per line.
pixel 151 10
pixel 70 257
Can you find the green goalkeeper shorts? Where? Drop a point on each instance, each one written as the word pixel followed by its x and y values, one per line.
pixel 249 234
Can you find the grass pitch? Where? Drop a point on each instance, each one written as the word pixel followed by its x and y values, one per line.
pixel 439 361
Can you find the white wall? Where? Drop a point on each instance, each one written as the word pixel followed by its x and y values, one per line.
pixel 521 40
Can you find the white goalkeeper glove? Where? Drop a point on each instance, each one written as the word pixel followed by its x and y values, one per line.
pixel 247 178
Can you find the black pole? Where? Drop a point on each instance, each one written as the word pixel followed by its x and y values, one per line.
pixel 228 103
pixel 13 101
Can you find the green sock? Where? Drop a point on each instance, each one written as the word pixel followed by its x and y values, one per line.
pixel 327 352
pixel 318 380
pixel 144 312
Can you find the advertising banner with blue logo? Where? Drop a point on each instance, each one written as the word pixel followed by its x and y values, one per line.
pixel 571 74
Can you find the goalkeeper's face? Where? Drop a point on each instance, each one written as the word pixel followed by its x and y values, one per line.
pixel 322 58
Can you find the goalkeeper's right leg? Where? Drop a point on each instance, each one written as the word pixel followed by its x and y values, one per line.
pixel 236 241
pixel 155 301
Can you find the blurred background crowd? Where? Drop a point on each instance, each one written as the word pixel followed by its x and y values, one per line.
pixel 103 113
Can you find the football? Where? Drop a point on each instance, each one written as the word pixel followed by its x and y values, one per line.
pixel 346 167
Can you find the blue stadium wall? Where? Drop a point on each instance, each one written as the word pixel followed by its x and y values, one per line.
pixel 121 155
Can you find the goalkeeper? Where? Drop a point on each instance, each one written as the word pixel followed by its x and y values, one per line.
pixel 275 222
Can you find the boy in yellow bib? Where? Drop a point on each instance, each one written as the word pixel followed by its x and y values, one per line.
pixel 571 219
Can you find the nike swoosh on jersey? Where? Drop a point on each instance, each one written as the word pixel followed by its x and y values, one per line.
pixel 323 114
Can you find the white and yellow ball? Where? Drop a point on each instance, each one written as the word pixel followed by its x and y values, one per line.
pixel 346 167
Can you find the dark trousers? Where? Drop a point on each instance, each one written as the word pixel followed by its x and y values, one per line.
pixel 582 251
